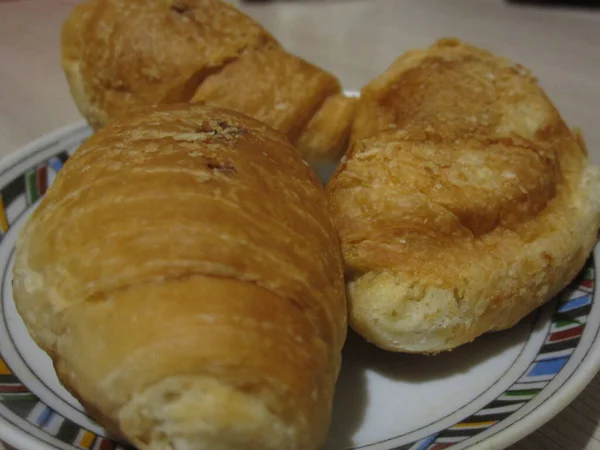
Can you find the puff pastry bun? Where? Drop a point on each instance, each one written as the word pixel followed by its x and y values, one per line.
pixel 124 54
pixel 464 202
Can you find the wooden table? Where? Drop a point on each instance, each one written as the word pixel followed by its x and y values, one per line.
pixel 356 39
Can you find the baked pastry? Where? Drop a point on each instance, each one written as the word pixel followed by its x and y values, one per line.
pixel 272 85
pixel 197 299
pixel 124 54
pixel 463 203
pixel 325 137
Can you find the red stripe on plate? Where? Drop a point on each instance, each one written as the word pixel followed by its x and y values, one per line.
pixel 439 446
pixel 13 388
pixel 566 334
pixel 42 180
pixel 105 444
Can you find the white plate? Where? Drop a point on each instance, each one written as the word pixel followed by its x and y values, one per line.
pixel 484 395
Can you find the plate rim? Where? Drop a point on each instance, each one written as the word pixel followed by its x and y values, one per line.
pixel 564 395
pixel 550 407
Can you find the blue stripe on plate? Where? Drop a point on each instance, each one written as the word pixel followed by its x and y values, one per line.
pixel 547 367
pixel 55 164
pixel 43 417
pixel 425 443
pixel 575 303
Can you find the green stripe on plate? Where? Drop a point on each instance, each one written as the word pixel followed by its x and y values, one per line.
pixel 31 187
pixel 522 393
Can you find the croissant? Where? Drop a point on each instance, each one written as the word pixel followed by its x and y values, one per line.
pixel 184 275
pixel 463 203
pixel 120 55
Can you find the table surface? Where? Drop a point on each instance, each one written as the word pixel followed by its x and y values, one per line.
pixel 355 39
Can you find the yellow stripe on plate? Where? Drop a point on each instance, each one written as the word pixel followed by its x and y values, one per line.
pixel 4 370
pixel 475 424
pixel 87 439
pixel 3 221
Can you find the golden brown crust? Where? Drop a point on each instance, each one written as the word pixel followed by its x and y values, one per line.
pixel 325 137
pixel 132 52
pixel 464 202
pixel 120 55
pixel 198 290
pixel 271 85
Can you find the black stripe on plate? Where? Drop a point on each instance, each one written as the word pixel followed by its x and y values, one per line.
pixel 20 405
pixel 499 403
pixel 9 379
pixel 68 431
pixel 573 313
pixel 63 156
pixel 13 190
pixel 561 345
pixel 489 417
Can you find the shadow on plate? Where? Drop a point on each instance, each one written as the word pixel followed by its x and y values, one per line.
pixel 361 357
